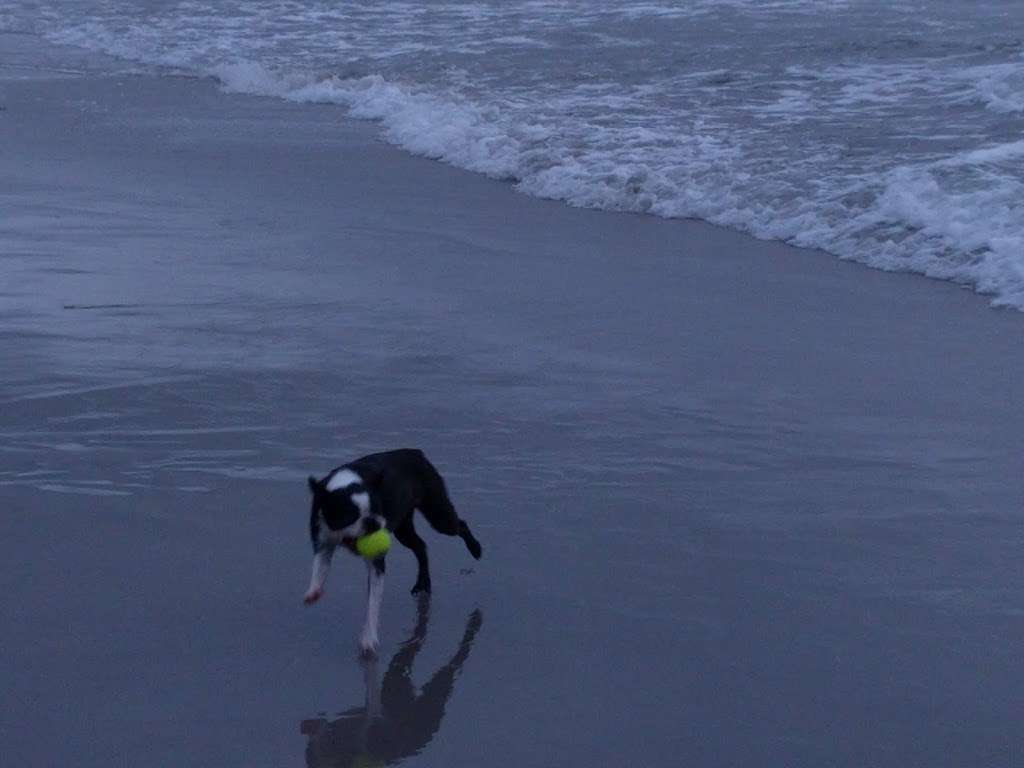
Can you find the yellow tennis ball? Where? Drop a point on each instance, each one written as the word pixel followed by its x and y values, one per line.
pixel 374 545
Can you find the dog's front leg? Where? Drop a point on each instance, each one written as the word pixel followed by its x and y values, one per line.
pixel 369 639
pixel 321 565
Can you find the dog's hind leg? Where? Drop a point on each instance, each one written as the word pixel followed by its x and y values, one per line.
pixel 471 543
pixel 437 507
pixel 407 536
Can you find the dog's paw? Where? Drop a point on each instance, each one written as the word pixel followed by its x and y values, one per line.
pixel 368 646
pixel 367 653
pixel 312 596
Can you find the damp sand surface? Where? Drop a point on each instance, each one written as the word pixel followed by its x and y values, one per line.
pixel 741 504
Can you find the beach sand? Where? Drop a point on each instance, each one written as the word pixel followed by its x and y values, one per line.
pixel 741 504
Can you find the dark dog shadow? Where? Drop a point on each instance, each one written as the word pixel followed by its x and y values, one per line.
pixel 395 722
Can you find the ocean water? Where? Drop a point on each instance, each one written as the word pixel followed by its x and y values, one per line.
pixel 889 133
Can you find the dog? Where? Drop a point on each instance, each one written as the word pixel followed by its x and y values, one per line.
pixel 381 490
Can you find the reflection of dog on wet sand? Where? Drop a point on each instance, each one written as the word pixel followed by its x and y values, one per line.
pixel 395 722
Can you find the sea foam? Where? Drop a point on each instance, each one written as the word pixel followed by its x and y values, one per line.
pixel 892 142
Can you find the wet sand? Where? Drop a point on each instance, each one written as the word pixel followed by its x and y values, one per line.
pixel 741 504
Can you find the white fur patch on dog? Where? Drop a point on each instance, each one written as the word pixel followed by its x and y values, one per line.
pixel 369 640
pixel 361 500
pixel 343 478
pixel 321 565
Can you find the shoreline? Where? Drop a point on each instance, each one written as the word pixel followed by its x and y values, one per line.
pixel 139 69
pixel 780 491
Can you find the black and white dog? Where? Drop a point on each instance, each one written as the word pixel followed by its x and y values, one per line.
pixel 381 490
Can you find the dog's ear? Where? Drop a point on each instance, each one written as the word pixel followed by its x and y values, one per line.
pixel 314 485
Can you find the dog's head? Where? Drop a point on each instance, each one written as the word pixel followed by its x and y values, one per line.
pixel 340 510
